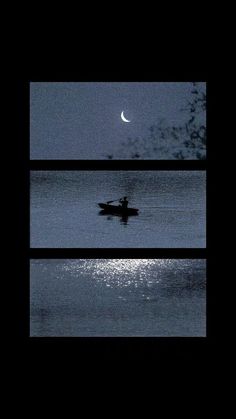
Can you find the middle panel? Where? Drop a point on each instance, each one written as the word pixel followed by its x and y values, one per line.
pixel 170 209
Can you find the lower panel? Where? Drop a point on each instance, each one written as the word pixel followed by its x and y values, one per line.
pixel 118 297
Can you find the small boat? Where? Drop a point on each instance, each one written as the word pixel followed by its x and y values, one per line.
pixel 117 209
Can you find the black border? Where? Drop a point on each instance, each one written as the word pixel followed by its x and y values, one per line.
pixel 118 165
pixel 118 253
pixel 99 347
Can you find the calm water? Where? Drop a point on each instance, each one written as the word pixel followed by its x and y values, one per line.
pixel 118 297
pixel 64 211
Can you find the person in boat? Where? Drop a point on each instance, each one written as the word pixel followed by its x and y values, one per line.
pixel 124 202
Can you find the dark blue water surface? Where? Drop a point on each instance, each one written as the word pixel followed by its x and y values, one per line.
pixel 172 209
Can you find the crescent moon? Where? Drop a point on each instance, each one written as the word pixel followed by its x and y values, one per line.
pixel 123 118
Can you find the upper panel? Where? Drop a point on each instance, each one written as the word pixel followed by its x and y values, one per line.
pixel 118 120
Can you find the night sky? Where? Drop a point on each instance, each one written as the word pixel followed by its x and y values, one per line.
pixel 82 120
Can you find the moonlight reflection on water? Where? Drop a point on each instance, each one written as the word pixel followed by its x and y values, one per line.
pixel 122 272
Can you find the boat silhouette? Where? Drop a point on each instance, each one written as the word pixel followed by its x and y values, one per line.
pixel 117 210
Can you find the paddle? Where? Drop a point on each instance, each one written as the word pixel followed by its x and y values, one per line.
pixel 114 200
